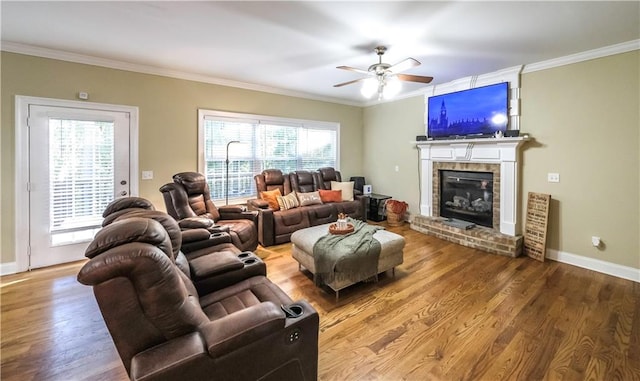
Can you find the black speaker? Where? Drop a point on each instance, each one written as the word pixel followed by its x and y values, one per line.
pixel 358 182
pixel 511 133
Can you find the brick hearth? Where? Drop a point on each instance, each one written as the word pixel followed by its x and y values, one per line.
pixel 479 237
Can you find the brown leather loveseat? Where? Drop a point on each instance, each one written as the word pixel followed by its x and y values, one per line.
pixel 275 225
pixel 164 330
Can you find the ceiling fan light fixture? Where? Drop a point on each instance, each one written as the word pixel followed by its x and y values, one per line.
pixel 391 87
pixel 369 87
pixel 384 79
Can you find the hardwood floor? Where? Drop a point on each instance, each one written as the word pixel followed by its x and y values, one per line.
pixel 450 313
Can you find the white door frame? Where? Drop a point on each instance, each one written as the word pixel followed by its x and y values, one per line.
pixel 22 162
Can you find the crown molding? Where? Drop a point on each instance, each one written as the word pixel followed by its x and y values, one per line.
pixel 31 50
pixel 37 51
pixel 583 56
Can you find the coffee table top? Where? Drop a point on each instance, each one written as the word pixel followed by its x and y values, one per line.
pixel 304 239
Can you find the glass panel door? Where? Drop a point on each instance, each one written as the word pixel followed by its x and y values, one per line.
pixel 79 162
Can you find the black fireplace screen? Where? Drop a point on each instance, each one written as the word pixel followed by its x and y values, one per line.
pixel 467 196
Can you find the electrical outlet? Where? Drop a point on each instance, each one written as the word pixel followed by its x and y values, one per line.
pixel 147 175
pixel 553 177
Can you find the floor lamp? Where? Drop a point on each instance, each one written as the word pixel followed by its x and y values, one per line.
pixel 226 177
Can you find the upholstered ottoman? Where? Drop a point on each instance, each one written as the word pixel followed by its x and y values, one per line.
pixel 303 240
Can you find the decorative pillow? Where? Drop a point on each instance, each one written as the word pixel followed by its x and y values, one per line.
pixel 346 187
pixel 330 195
pixel 309 198
pixel 271 198
pixel 289 201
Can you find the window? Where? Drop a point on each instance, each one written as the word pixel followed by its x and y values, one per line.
pixel 254 143
pixel 81 177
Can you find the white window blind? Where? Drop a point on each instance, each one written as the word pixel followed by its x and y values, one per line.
pixel 263 143
pixel 81 179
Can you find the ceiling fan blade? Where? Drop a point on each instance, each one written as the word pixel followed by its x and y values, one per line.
pixel 404 65
pixel 353 69
pixel 350 82
pixel 414 78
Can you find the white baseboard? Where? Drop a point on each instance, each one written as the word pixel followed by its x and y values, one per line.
pixel 8 268
pixel 608 268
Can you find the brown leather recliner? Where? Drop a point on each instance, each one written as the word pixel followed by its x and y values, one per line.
pixel 164 330
pixel 210 260
pixel 188 200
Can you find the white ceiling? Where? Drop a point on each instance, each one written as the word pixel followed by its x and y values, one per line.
pixel 294 47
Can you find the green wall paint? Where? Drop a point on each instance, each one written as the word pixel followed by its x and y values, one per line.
pixel 584 117
pixel 168 113
pixel 585 121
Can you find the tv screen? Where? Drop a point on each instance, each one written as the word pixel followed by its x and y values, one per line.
pixel 480 111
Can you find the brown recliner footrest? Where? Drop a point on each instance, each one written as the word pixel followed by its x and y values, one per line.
pixel 215 264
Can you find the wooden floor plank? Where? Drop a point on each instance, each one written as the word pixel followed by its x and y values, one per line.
pixel 449 313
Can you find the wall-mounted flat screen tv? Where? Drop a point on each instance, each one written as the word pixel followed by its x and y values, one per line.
pixel 477 112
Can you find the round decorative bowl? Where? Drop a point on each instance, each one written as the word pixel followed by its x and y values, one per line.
pixel 333 229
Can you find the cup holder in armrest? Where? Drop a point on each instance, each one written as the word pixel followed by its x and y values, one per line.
pixel 219 229
pixel 249 261
pixel 244 255
pixel 293 310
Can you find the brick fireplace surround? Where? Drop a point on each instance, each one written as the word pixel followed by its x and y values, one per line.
pixel 498 156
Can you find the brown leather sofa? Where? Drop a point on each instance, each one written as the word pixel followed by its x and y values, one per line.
pixel 209 259
pixel 164 330
pixel 276 226
pixel 188 200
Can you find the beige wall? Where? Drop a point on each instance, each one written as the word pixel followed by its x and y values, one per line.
pixel 389 130
pixel 168 118
pixel 585 119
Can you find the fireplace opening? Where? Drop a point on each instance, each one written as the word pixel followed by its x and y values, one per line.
pixel 467 196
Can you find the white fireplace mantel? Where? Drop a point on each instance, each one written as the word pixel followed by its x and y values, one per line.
pixel 503 151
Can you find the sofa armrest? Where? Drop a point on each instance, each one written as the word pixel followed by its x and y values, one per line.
pixel 170 359
pixel 195 223
pixel 364 205
pixel 266 227
pixel 197 239
pixel 197 355
pixel 195 235
pixel 257 204
pixel 231 209
pixel 237 213
pixel 242 328
pixel 211 265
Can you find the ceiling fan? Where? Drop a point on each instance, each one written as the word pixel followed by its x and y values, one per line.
pixel 384 78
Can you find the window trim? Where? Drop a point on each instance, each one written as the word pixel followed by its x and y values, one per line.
pixel 264 119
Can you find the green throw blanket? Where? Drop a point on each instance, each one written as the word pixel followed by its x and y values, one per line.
pixel 352 256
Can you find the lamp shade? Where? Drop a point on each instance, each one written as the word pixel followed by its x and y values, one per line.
pixel 391 88
pixel 369 87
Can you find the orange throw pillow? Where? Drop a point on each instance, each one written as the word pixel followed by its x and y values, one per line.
pixel 330 195
pixel 271 197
